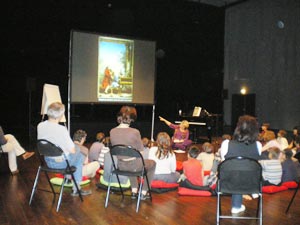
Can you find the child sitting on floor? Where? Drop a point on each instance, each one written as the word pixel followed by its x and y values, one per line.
pixel 192 176
pixel 289 169
pixel 207 156
pixel 271 168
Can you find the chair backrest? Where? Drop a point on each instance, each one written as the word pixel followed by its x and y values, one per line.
pixel 125 150
pixel 122 152
pixel 48 149
pixel 240 175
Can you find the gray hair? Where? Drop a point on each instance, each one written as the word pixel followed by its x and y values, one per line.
pixel 55 110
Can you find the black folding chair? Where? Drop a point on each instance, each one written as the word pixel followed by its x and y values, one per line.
pixel 239 175
pixel 297 156
pixel 123 150
pixel 48 149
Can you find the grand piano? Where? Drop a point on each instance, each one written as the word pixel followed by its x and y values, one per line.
pixel 204 120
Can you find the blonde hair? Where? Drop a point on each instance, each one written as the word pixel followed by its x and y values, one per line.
pixel 185 123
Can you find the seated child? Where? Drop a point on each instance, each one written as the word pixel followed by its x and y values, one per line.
pixel 96 147
pixel 192 176
pixel 165 159
pixel 89 169
pixel 271 168
pixel 147 144
pixel 207 156
pixel 289 169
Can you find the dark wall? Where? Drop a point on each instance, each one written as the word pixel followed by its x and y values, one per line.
pixel 262 53
pixel 36 47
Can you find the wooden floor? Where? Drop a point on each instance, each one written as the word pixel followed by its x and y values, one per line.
pixel 166 208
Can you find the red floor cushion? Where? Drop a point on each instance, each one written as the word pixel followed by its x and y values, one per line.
pixel 290 184
pixel 273 189
pixel 206 172
pixel 160 186
pixel 191 192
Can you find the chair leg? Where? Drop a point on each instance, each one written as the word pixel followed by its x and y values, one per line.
pixel 218 208
pixel 149 189
pixel 61 193
pixel 34 185
pixel 286 211
pixel 77 188
pixel 261 210
pixel 48 179
pixel 108 191
pixel 120 187
pixel 139 195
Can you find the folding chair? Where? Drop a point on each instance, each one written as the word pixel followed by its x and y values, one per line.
pixel 239 175
pixel 48 149
pixel 292 199
pixel 127 151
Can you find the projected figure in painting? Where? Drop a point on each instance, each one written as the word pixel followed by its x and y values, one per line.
pixel 115 69
pixel 107 79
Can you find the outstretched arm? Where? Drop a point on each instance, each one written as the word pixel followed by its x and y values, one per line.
pixel 164 120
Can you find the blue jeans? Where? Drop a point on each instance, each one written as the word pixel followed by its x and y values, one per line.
pixel 76 160
pixel 236 201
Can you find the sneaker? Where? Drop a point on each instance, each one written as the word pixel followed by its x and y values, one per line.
pixel 238 210
pixel 27 155
pixel 83 193
pixel 133 195
pixel 144 197
pixel 15 172
pixel 255 196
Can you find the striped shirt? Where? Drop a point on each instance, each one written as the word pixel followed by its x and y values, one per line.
pixel 272 170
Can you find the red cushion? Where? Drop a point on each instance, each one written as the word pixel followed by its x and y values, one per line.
pixel 162 184
pixel 290 184
pixel 179 166
pixel 273 189
pixel 191 192
pixel 206 172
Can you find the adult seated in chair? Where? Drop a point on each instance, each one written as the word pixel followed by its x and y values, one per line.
pixel 12 147
pixel 180 139
pixel 165 159
pixel 126 135
pixel 244 143
pixel 52 131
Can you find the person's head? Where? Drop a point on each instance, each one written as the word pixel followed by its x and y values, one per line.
pixel 288 153
pixel 80 136
pixel 146 142
pixel 281 133
pixel 56 110
pixel 193 151
pixel 246 130
pixel 184 124
pixel 208 147
pixel 268 136
pixel 265 126
pixel 226 137
pixel 127 115
pixel 100 136
pixel 295 131
pixel 297 141
pixel 274 153
pixel 163 142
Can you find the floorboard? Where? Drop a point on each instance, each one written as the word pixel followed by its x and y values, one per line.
pixel 166 208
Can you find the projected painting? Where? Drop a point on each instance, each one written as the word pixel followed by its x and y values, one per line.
pixel 115 69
